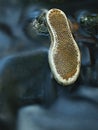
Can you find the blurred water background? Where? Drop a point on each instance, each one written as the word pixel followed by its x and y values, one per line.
pixel 30 98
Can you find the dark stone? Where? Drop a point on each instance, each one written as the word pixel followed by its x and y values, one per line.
pixel 34 22
pixel 85 55
pixel 64 114
pixel 25 78
pixel 87 93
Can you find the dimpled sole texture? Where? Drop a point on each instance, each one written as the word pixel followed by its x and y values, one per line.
pixel 64 54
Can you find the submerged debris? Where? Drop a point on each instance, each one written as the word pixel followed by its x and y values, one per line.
pixel 89 23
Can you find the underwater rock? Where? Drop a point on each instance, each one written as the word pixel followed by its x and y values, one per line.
pixel 59 117
pixel 26 79
pixel 88 22
pixel 89 70
pixel 7 118
pixel 34 22
pixel 85 55
pixel 90 75
pixel 88 93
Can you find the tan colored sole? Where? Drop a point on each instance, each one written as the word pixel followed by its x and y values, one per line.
pixel 64 54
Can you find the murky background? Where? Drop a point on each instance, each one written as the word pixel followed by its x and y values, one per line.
pixel 30 98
